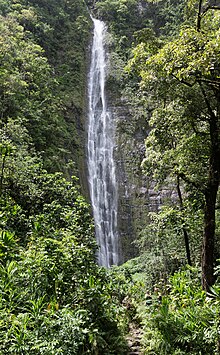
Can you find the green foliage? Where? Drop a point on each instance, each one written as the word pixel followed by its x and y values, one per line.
pixel 54 297
pixel 9 248
pixel 55 300
pixel 122 15
pixel 180 83
pixel 182 318
pixel 43 74
pixel 127 16
pixel 27 87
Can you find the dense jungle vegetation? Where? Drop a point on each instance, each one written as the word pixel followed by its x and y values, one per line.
pixel 54 299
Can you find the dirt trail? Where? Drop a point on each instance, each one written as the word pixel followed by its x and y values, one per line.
pixel 134 340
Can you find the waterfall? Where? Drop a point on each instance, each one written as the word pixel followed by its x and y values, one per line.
pixel 101 167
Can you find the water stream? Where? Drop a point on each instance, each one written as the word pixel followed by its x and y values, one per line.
pixel 101 167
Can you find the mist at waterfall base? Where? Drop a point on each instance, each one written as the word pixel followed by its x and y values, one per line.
pixel 101 167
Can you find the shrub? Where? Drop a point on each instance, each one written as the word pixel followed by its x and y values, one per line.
pixel 182 319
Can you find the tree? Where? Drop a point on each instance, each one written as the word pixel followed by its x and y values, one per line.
pixel 183 82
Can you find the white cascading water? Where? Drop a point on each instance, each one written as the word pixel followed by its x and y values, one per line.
pixel 101 167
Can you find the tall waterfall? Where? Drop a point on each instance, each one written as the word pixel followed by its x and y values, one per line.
pixel 101 167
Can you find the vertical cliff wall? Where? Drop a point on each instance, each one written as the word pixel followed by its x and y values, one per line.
pixel 133 202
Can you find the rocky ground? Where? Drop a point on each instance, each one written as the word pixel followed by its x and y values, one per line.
pixel 134 340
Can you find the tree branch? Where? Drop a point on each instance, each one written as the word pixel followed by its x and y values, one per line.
pixel 185 233
pixel 210 82
pixel 190 182
pixel 199 18
pixel 183 81
pixel 209 7
pixel 210 110
pixel 201 13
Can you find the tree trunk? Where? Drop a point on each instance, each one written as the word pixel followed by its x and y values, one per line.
pixel 209 240
pixel 210 204
pixel 199 16
pixel 185 234
pixel 2 172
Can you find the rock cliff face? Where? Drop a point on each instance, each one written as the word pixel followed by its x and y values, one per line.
pixel 137 195
pixel 132 185
pixel 133 196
